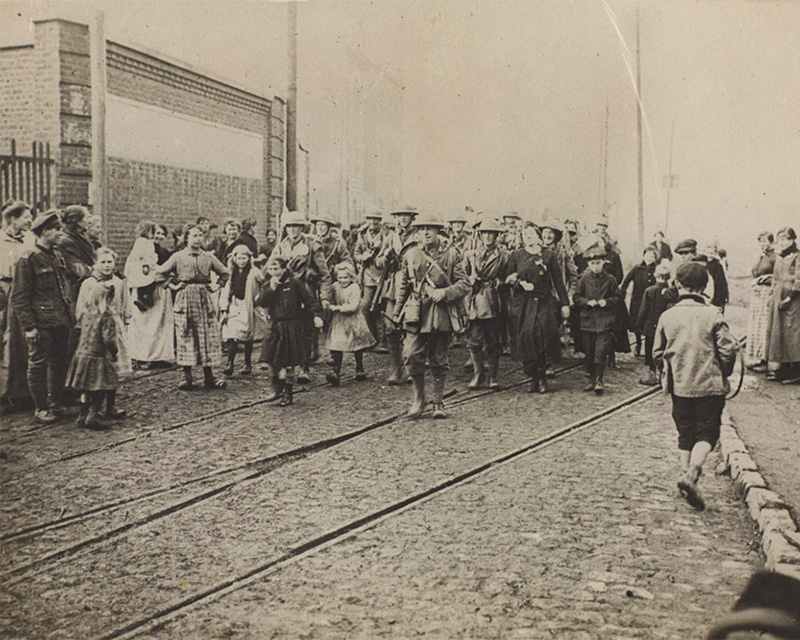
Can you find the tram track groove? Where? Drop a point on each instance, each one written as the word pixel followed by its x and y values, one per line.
pixel 341 533
pixel 271 463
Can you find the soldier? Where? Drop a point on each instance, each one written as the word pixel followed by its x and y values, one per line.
pixel 486 269
pixel 305 258
pixel 368 246
pixel 511 239
pixel 459 236
pixel 40 298
pixel 389 261
pixel 333 247
pixel 432 282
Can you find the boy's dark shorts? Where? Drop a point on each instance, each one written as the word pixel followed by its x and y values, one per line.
pixel 697 419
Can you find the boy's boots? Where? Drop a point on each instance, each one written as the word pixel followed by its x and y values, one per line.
pixel 248 358
pixel 396 374
pixel 599 388
pixel 418 401
pixel 438 397
pixel 111 410
pixel 688 488
pixel 287 397
pixel 494 365
pixel 232 348
pixel 477 371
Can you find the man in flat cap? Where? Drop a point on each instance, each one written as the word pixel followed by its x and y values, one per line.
pixel 40 298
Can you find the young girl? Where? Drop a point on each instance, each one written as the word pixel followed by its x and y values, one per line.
pixel 119 310
pixel 197 333
pixel 348 329
pixel 92 370
pixel 288 302
pixel 237 307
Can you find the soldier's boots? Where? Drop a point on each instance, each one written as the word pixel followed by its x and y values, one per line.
pixel 494 365
pixel 418 400
pixel 478 374
pixel 396 373
pixel 438 398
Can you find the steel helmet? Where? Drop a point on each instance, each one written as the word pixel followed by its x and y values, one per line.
pixel 428 220
pixel 293 218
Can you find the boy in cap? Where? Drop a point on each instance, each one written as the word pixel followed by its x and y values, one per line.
pixel 596 297
pixel 41 299
pixel 696 351
pixel 654 302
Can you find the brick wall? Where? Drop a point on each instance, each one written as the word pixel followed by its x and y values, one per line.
pixel 174 196
pixel 45 95
pixel 29 95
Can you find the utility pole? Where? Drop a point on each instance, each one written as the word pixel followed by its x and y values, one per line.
pixel 97 44
pixel 671 180
pixel 639 178
pixel 291 113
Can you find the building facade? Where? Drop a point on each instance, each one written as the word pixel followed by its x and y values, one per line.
pixel 178 143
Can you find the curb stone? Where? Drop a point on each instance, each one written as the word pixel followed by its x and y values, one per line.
pixel 780 537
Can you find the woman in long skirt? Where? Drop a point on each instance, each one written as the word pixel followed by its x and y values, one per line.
pixel 534 276
pixel 760 305
pixel 197 334
pixel 783 351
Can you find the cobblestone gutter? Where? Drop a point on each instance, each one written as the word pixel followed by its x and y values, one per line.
pixel 780 538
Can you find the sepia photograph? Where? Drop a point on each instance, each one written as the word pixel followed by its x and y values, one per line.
pixel 355 319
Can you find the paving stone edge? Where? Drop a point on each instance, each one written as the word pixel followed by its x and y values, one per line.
pixel 780 537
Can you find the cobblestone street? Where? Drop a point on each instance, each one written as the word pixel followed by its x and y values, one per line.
pixel 584 537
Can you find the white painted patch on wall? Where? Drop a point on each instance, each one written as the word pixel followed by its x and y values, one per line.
pixel 138 131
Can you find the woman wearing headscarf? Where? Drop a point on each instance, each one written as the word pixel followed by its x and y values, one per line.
pixel 534 276
pixel 76 246
pixel 784 334
pixel 760 304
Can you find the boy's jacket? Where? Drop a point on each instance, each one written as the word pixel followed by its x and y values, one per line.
pixel 696 348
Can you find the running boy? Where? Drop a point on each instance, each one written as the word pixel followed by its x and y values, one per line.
pixel 697 352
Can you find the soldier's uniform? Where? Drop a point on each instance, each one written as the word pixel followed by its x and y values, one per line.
pixel 428 325
pixel 40 298
pixel 368 247
pixel 486 269
pixel 389 260
pixel 306 261
pixel 334 249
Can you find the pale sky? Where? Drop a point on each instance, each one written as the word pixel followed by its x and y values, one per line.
pixel 505 101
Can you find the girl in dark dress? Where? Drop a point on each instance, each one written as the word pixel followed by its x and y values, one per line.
pixel 288 302
pixel 534 276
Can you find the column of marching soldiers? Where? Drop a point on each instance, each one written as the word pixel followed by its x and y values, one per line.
pixel 406 284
